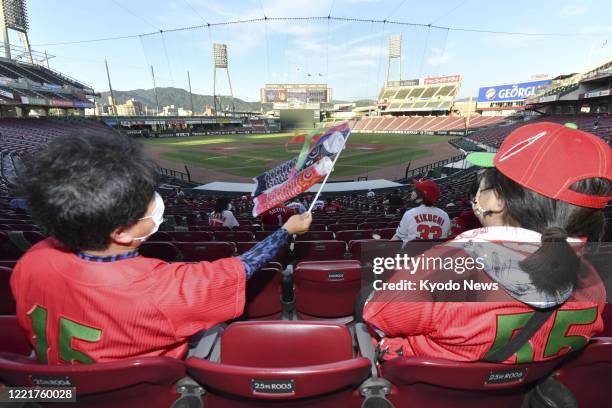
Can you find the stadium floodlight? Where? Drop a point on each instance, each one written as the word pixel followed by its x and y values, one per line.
pixel 13 15
pixel 220 55
pixel 395 46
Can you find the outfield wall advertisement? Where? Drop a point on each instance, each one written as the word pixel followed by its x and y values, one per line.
pixel 511 92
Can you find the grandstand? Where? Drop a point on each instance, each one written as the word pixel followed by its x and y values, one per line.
pixel 431 94
pixel 443 125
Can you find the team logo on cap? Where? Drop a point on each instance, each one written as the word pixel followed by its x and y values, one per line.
pixel 490 94
pixel 520 146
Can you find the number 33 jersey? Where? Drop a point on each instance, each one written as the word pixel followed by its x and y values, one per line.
pixel 423 223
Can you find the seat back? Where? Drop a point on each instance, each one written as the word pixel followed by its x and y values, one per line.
pixel 342 227
pixel 263 293
pixel 588 374
pixel 205 251
pixel 7 301
pixel 315 236
pixel 190 236
pixel 434 382
pixel 326 289
pixel 144 382
pixel 283 363
pixel 233 236
pixel 165 251
pixel 319 250
pixel 13 339
pixel 351 235
pixel 387 233
pixel 365 250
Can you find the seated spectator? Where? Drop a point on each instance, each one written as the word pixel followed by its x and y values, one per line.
pixel 222 216
pixel 538 205
pixel 331 206
pixel 371 194
pixel 85 295
pixel 465 221
pixel 297 207
pixel 424 222
pixel 276 217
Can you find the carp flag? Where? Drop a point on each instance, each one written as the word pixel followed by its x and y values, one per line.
pixel 295 176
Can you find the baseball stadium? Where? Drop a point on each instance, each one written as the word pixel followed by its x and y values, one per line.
pixel 314 203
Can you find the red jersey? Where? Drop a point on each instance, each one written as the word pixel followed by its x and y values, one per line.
pixel 77 310
pixel 332 208
pixel 276 216
pixel 413 324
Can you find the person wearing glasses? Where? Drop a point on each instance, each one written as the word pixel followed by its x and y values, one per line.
pixel 540 201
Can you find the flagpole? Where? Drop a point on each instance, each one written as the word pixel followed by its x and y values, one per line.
pixel 332 169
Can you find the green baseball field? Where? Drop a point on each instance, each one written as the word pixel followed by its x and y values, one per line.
pixel 251 155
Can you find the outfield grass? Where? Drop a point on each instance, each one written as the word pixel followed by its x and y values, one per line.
pixel 245 160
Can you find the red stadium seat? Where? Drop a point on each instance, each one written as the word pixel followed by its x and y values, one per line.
pixel 326 289
pixel 351 235
pixel 365 250
pixel 143 382
pixel 313 362
pixel 589 374
pixel 319 250
pixel 386 233
pixel 371 225
pixel 315 236
pixel 607 321
pixel 263 294
pixel 433 382
pixel 261 235
pixel 205 251
pixel 242 247
pixel 8 250
pixel 233 236
pixel 160 236
pixel 13 339
pixel 191 236
pixel 249 227
pixel 318 227
pixel 342 227
pixel 7 302
pixel 165 251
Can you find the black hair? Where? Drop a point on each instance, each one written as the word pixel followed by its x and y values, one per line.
pixel 221 204
pixel 554 265
pixel 82 187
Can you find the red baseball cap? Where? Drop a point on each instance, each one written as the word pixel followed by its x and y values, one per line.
pixel 548 158
pixel 429 189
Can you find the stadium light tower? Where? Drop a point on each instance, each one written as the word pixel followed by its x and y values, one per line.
pixel 395 53
pixel 220 59
pixel 13 15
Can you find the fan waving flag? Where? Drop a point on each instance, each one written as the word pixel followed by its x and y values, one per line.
pixel 295 176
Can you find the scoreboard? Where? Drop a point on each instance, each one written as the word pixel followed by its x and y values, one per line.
pixel 296 96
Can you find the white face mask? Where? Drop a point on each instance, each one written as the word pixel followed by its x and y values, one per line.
pixel 157 216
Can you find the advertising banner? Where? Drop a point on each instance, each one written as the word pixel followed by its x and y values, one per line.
pixel 442 80
pixel 511 92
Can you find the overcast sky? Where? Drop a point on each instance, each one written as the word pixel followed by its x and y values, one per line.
pixel 349 56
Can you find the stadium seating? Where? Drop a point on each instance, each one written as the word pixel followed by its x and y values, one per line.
pixel 160 250
pixel 205 251
pixel 319 250
pixel 365 250
pixel 233 236
pixel 433 382
pixel 326 289
pixel 315 236
pixel 263 295
pixel 588 374
pixel 351 235
pixel 191 236
pixel 282 356
pixel 7 302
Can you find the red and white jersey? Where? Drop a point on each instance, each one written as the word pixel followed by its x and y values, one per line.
pixel 76 310
pixel 425 223
pixel 225 219
pixel 276 216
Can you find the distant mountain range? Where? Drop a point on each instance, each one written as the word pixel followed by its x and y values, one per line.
pixel 180 98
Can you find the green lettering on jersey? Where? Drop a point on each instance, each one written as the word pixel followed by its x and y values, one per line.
pixel 557 340
pixel 506 325
pixel 70 330
pixel 38 315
